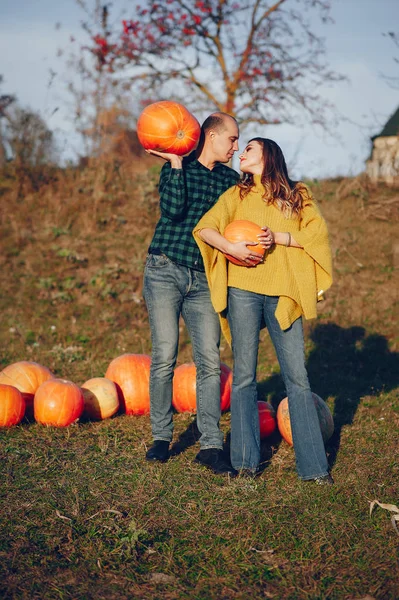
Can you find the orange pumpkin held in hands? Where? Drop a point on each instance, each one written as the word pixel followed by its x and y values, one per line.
pixel 168 127
pixel 185 388
pixel 240 231
pixel 267 419
pixel 100 397
pixel 58 402
pixel 131 373
pixel 323 412
pixel 26 376
pixel 12 406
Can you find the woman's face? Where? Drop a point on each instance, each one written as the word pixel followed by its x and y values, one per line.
pixel 251 160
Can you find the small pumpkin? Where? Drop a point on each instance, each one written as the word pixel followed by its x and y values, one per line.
pixel 168 126
pixel 12 406
pixel 323 412
pixel 58 402
pixel 240 231
pixel 185 388
pixel 100 397
pixel 131 374
pixel 267 419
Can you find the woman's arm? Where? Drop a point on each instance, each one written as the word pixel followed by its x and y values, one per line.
pixel 281 238
pixel 240 250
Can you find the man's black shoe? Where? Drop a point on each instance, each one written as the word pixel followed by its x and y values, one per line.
pixel 213 459
pixel 158 451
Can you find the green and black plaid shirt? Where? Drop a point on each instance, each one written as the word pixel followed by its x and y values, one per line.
pixel 185 196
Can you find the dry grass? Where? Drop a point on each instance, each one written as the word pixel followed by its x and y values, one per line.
pixel 84 516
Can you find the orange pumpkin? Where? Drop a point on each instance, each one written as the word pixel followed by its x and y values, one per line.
pixel 240 231
pixel 100 397
pixel 26 376
pixel 168 127
pixel 131 374
pixel 58 402
pixel 185 388
pixel 323 412
pixel 267 419
pixel 12 406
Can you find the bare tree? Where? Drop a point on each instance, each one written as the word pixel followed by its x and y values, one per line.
pixel 258 60
pixel 5 101
pixel 393 80
pixel 28 138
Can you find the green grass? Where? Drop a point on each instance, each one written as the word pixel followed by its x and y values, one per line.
pixel 84 516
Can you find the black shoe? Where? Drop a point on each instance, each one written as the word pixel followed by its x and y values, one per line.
pixel 213 459
pixel 158 451
pixel 323 480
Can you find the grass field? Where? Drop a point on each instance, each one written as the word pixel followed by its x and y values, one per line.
pixel 84 516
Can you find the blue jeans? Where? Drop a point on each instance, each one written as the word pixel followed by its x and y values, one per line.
pixel 245 312
pixel 171 290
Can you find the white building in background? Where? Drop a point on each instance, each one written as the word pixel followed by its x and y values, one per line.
pixel 383 164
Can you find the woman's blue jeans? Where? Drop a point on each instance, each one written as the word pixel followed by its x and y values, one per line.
pixel 171 290
pixel 245 312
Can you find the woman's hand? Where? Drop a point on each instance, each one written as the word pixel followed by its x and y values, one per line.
pixel 175 160
pixel 242 251
pixel 266 239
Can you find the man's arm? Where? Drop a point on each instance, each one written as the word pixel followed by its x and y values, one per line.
pixel 172 189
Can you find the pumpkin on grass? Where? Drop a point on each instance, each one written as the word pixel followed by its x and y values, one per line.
pixel 168 126
pixel 58 402
pixel 241 231
pixel 267 419
pixel 12 406
pixel 131 374
pixel 323 412
pixel 100 397
pixel 185 388
pixel 26 376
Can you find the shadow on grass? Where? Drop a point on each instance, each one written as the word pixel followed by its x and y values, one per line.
pixel 186 439
pixel 346 364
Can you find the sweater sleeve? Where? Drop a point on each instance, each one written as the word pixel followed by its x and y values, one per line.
pixel 215 262
pixel 313 237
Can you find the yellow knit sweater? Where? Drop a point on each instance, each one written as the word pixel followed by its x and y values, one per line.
pixel 297 275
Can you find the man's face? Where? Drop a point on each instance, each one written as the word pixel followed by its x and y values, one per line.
pixel 225 142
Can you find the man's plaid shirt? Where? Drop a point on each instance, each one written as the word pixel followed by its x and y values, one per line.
pixel 185 196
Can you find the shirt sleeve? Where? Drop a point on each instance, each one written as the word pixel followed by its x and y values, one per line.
pixel 172 191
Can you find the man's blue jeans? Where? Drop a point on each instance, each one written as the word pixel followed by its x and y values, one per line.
pixel 171 290
pixel 245 312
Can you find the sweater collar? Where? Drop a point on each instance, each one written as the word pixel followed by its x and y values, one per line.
pixel 258 185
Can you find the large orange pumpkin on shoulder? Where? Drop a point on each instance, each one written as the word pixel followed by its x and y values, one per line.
pixel 168 126
pixel 26 376
pixel 58 402
pixel 240 231
pixel 323 412
pixel 12 406
pixel 185 388
pixel 131 373
pixel 100 397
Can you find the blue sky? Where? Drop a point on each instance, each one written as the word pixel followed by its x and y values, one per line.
pixel 356 47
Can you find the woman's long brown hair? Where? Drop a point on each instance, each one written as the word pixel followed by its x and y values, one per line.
pixel 280 190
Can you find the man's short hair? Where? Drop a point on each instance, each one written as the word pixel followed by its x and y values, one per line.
pixel 216 121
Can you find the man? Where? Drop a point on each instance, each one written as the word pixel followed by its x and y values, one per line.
pixel 175 284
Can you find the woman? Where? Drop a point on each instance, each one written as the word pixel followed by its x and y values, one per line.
pixel 278 290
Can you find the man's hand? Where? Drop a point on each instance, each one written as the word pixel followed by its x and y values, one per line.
pixel 175 160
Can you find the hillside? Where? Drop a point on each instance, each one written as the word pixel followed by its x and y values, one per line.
pixel 85 517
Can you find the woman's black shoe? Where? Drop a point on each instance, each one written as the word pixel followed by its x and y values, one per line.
pixel 159 451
